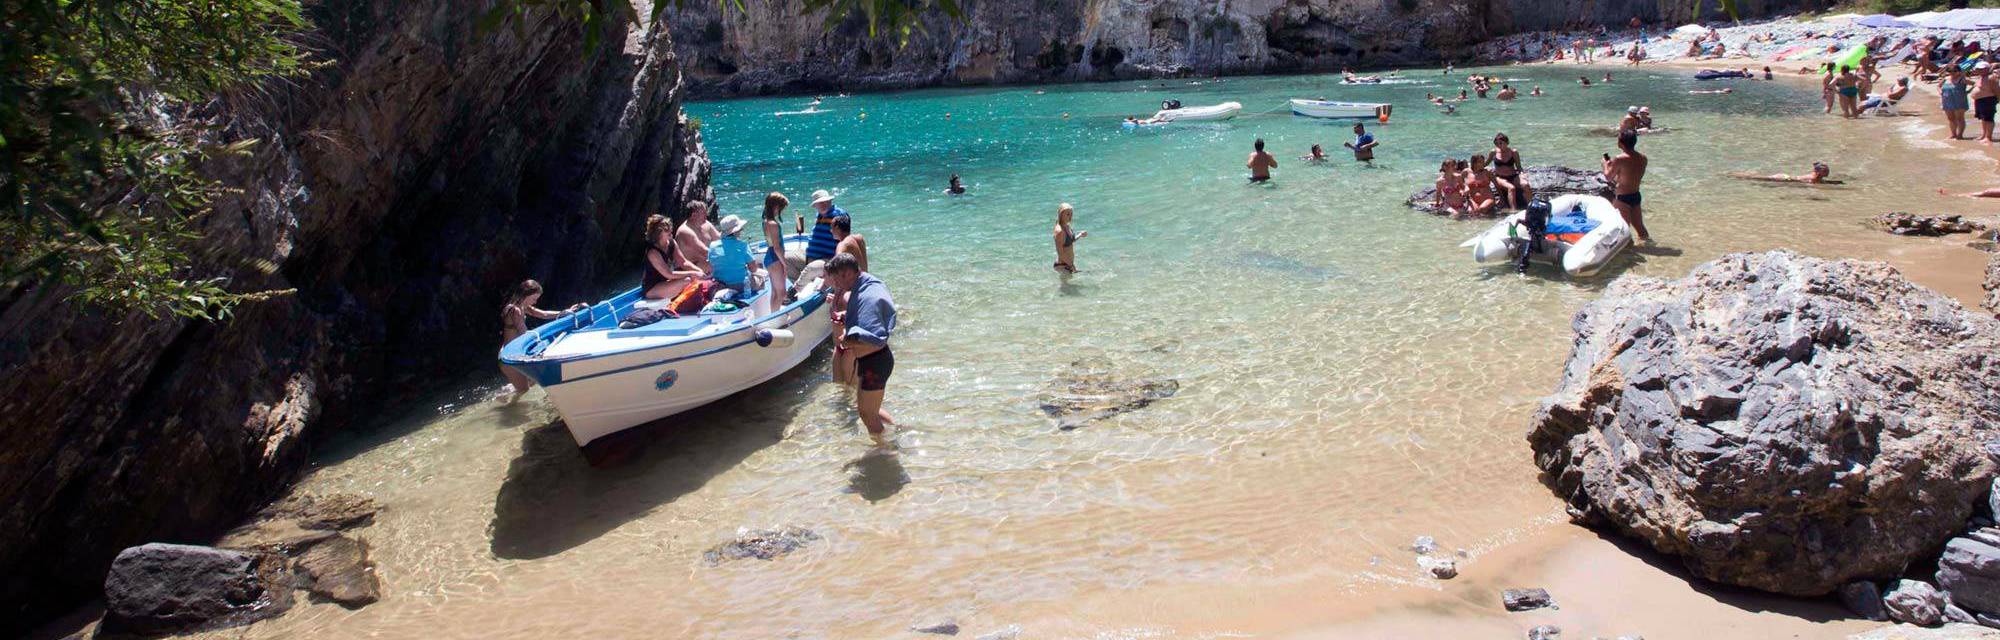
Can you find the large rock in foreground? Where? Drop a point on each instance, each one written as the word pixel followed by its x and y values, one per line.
pixel 1547 181
pixel 167 588
pixel 1778 421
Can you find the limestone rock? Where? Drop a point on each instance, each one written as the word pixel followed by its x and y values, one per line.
pixel 765 544
pixel 1903 223
pixel 1954 614
pixel 338 569
pixel 1424 545
pixel 1970 571
pixel 1439 568
pixel 397 189
pixel 1915 602
pixel 1864 599
pixel 1777 421
pixel 169 588
pixel 1545 632
pixel 1546 181
pixel 1011 632
pixel 329 511
pixel 1525 599
pixel 1992 287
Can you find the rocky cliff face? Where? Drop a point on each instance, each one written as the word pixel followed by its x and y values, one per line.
pixel 778 47
pixel 400 190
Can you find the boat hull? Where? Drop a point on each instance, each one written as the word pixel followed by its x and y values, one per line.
pixel 1331 109
pixel 1209 113
pixel 606 395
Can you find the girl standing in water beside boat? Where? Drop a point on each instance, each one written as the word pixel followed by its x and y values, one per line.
pixel 514 322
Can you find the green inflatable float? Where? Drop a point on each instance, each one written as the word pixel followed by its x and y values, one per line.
pixel 1850 58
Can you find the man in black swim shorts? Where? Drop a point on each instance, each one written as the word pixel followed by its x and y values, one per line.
pixel 869 320
pixel 1261 162
pixel 1624 173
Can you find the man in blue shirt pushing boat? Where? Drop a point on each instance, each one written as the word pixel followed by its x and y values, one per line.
pixel 864 332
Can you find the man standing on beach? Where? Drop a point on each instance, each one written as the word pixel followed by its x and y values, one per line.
pixel 1261 163
pixel 1624 173
pixel 1363 145
pixel 870 319
pixel 1985 95
pixel 822 244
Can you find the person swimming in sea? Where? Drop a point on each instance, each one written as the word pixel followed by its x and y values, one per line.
pixel 955 187
pixel 1536 93
pixel 1818 176
pixel 1066 238
pixel 1316 156
pixel 1260 163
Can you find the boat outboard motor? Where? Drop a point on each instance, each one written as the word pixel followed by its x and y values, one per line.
pixel 1536 219
pixel 1170 104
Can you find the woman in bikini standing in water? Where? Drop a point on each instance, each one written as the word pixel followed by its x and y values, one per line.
pixel 1066 240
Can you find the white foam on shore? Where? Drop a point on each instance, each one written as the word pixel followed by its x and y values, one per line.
pixel 1922 134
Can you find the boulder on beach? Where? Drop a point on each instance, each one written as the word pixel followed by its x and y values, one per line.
pixel 1545 181
pixel 1970 571
pixel 1525 599
pixel 169 588
pixel 1992 284
pixel 1777 421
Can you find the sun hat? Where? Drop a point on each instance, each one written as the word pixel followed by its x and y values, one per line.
pixel 730 225
pixel 1632 109
pixel 822 195
pixel 1645 109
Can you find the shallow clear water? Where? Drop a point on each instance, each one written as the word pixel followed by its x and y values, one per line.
pixel 1348 379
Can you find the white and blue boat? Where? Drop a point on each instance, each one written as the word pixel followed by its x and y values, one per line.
pixel 604 379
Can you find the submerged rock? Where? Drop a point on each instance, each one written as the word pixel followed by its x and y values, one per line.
pixel 325 511
pixel 1545 632
pixel 1546 181
pixel 337 569
pixel 1864 599
pixel 942 627
pixel 1903 223
pixel 763 544
pixel 170 588
pixel 1777 421
pixel 1424 545
pixel 1525 599
pixel 1915 602
pixel 1087 392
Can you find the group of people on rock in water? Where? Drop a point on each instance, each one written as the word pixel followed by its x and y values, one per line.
pixel 698 265
pixel 1482 184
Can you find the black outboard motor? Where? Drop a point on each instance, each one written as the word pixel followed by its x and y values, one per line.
pixel 1170 104
pixel 1536 219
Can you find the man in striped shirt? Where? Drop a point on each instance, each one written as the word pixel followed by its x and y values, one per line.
pixel 823 243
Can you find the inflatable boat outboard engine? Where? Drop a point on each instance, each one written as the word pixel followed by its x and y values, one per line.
pixel 1536 220
pixel 1169 104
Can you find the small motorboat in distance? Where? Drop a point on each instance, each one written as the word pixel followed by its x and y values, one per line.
pixel 1583 233
pixel 1332 109
pixel 604 378
pixel 1171 111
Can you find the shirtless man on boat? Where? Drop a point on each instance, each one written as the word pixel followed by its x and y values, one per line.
pixel 1625 172
pixel 1261 163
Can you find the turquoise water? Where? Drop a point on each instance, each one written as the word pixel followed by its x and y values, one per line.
pixel 1348 379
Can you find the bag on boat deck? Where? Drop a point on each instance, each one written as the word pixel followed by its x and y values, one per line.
pixel 647 316
pixel 694 297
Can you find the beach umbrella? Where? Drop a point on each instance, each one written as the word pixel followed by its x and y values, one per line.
pixel 1964 20
pixel 1882 21
pixel 1840 18
pixel 1691 29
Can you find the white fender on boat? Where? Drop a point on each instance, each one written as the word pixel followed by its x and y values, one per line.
pixel 779 338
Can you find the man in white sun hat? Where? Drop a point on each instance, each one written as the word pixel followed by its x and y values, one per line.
pixel 823 243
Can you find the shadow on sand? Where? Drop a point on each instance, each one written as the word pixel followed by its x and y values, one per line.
pixel 558 496
pixel 1814 609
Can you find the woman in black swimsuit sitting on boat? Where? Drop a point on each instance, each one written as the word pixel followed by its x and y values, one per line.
pixel 1507 174
pixel 667 271
pixel 1066 240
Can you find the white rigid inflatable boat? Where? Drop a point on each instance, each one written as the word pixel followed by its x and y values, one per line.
pixel 1222 111
pixel 604 379
pixel 1337 109
pixel 1585 234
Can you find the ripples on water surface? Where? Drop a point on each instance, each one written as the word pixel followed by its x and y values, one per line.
pixel 1347 378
